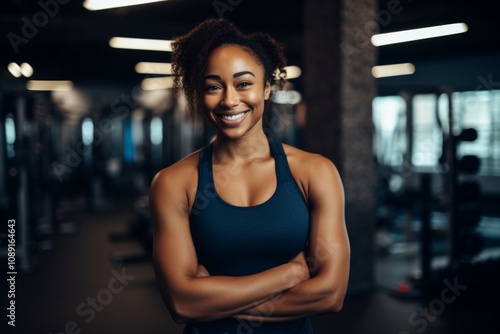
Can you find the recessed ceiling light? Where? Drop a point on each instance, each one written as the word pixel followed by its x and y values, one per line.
pixel 14 69
pixel 153 68
pixel 26 70
pixel 106 4
pixel 393 70
pixel 49 85
pixel 140 44
pixel 293 72
pixel 418 34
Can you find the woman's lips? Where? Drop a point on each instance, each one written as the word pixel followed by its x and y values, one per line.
pixel 233 119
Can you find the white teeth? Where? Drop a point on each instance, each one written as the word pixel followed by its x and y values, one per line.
pixel 233 117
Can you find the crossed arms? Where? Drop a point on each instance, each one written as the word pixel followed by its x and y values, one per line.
pixel 314 282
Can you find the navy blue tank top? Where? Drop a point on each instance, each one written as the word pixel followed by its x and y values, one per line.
pixel 233 240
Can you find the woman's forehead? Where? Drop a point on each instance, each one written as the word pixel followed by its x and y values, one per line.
pixel 234 58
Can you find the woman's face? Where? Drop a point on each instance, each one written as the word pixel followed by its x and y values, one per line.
pixel 234 91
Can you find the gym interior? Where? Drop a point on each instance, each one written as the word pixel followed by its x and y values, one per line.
pixel 87 118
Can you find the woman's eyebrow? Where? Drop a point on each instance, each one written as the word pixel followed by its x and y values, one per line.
pixel 212 76
pixel 235 75
pixel 238 74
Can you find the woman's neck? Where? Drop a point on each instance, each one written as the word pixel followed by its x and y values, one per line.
pixel 246 148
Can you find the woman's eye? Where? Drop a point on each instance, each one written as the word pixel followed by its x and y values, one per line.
pixel 211 88
pixel 244 84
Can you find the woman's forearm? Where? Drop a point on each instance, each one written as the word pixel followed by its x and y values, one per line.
pixel 214 297
pixel 311 297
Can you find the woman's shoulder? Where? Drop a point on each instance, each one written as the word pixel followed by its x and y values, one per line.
pixel 313 172
pixel 180 175
pixel 306 160
pixel 310 169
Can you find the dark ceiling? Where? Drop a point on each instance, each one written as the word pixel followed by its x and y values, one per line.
pixel 73 44
pixel 460 62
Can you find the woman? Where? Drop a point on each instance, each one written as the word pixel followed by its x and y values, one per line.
pixel 249 234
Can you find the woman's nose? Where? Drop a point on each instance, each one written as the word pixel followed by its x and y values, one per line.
pixel 230 98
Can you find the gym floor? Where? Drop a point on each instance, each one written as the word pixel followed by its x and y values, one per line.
pixel 73 287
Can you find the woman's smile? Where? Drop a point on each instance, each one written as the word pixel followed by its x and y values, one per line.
pixel 234 118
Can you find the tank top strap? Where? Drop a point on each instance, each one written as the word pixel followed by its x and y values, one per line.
pixel 282 169
pixel 205 167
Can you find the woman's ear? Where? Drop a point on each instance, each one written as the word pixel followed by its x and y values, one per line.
pixel 267 90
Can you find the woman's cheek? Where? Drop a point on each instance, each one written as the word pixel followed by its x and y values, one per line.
pixel 253 97
pixel 208 102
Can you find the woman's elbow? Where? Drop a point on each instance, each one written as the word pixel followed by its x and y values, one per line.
pixel 182 313
pixel 176 312
pixel 337 305
pixel 333 303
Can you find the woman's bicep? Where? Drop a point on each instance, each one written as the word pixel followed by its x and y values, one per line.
pixel 174 255
pixel 329 250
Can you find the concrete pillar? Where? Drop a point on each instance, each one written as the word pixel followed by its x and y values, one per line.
pixel 339 89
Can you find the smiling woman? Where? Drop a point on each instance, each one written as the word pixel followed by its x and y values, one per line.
pixel 256 241
pixel 235 91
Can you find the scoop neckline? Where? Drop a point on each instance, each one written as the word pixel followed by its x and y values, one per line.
pixel 223 201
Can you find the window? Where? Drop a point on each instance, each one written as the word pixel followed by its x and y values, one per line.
pixel 480 110
pixel 474 109
pixel 389 119
pixel 427 135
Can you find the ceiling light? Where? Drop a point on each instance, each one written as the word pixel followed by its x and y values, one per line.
pixel 14 69
pixel 153 68
pixel 157 83
pixel 140 44
pixel 106 4
pixel 293 72
pixel 418 34
pixel 26 70
pixel 393 70
pixel 50 85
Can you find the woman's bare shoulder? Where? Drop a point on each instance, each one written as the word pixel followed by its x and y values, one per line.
pixel 182 175
pixel 315 174
pixel 306 161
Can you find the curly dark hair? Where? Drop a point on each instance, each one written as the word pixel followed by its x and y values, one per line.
pixel 191 52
